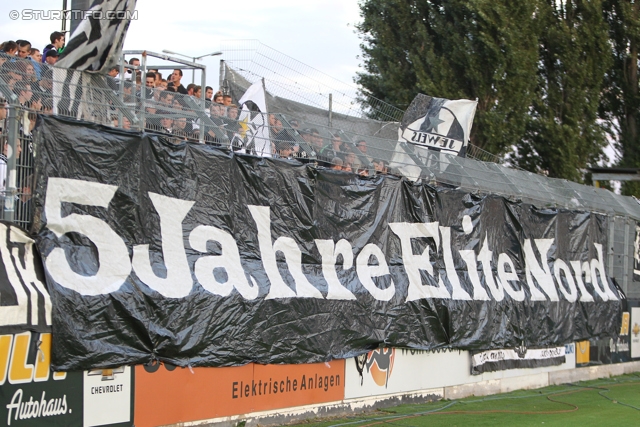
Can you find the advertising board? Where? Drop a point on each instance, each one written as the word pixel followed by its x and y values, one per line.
pixel 168 395
pixel 394 370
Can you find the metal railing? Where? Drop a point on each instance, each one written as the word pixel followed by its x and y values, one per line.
pixel 287 132
pixel 17 164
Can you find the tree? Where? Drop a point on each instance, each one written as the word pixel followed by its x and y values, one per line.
pixel 535 67
pixel 484 49
pixel 621 100
pixel 563 132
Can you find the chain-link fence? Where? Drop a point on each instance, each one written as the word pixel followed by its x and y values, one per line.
pixel 17 163
pixel 308 133
pixel 291 130
pixel 296 88
pixel 287 78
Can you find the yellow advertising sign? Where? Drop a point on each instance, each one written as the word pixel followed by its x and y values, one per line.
pixel 582 352
pixel 624 328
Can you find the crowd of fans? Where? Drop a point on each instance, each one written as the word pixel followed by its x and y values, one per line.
pixel 169 108
pixel 27 78
pixel 165 107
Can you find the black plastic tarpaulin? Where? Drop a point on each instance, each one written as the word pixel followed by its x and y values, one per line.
pixel 157 250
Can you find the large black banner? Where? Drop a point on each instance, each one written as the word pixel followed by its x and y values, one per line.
pixel 185 254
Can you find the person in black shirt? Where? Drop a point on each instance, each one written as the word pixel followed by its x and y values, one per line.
pixel 176 76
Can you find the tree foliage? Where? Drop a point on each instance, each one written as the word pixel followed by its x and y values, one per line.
pixel 538 68
pixel 621 100
pixel 563 133
pixel 482 49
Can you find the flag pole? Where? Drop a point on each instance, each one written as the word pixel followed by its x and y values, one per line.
pixel 266 113
pixel 264 88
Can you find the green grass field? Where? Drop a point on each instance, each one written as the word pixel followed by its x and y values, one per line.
pixel 605 402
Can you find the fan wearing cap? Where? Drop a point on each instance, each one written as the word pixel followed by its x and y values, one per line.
pixel 51 57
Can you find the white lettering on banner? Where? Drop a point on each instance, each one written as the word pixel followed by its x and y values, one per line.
pixel 509 279
pixel 481 358
pixel 570 294
pixel 228 260
pixel 585 296
pixel 457 291
pixel 366 272
pixel 115 265
pixel 35 408
pixel 113 256
pixel 540 273
pixel 414 263
pixel 469 258
pixel 329 254
pixel 495 286
pixel 178 283
pixel 292 255
pixel 597 268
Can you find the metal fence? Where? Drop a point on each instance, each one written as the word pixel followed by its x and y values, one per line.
pixel 293 86
pixel 17 118
pixel 293 131
pixel 285 77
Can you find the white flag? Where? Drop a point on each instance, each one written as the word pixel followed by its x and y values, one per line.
pixel 258 135
pixel 255 93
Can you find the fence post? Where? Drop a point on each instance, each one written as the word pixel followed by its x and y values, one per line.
pixel 143 92
pixel 627 254
pixel 203 103
pixel 330 110
pixel 9 196
pixel 121 76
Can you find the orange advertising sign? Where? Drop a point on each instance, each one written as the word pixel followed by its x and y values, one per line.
pixel 182 395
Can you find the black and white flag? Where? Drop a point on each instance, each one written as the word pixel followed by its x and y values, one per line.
pixel 97 43
pixel 254 128
pixel 24 299
pixel 438 124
